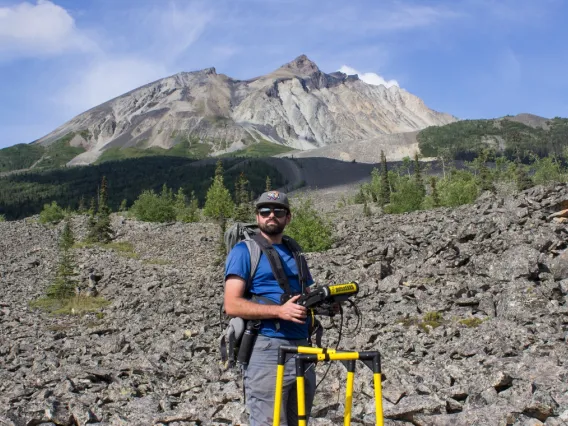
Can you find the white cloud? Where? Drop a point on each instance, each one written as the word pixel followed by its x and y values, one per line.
pixel 41 29
pixel 108 74
pixel 369 77
pixel 106 79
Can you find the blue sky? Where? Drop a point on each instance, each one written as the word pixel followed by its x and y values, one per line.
pixel 470 58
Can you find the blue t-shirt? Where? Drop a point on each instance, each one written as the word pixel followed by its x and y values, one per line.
pixel 265 284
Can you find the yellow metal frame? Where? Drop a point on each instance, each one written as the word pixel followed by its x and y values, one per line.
pixel 306 355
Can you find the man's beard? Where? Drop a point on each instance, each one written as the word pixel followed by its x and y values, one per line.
pixel 273 228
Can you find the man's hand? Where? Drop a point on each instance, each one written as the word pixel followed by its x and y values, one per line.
pixel 290 311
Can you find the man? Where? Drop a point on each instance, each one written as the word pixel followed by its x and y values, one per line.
pixel 284 324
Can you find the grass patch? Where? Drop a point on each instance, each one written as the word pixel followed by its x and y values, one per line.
pixel 472 322
pixel 123 248
pixel 77 305
pixel 186 149
pixel 260 149
pixel 428 322
pixel 60 153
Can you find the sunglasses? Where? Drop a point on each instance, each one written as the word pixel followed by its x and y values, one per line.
pixel 278 212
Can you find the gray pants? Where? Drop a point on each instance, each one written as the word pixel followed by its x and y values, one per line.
pixel 260 383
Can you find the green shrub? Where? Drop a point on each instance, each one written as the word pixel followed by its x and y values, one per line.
pixel 308 228
pixel 547 170
pixel 407 196
pixel 151 207
pixel 457 189
pixel 2 218
pixel 51 213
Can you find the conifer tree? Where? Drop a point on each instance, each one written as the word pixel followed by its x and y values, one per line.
pixel 193 209
pixel 123 206
pixel 418 174
pixel 82 208
pixel 218 202
pixel 384 196
pixel 180 205
pixel 67 238
pixel 485 180
pixel 522 178
pixel 243 210
pixel 100 230
pixel 65 282
pixel 268 186
pixel 435 194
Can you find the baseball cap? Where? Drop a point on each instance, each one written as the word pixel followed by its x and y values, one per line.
pixel 273 198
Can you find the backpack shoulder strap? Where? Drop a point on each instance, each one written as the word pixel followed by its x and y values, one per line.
pixel 301 263
pixel 274 260
pixel 255 252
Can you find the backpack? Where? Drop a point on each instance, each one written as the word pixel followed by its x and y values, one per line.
pixel 249 233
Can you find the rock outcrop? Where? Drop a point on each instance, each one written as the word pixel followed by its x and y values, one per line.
pixel 467 306
pixel 297 105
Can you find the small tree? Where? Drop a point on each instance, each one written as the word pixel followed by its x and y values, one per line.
pixel 100 230
pixel 2 218
pixel 51 213
pixel 308 228
pixel 406 197
pixel 435 196
pixel 243 210
pixel 418 174
pixel 82 207
pixel 67 238
pixel 218 202
pixel 547 170
pixel 151 207
pixel 123 206
pixel 522 178
pixel 268 186
pixel 460 188
pixel 193 209
pixel 384 196
pixel 63 287
pixel 406 165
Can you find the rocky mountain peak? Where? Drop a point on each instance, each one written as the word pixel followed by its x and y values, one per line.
pixel 302 65
pixel 297 105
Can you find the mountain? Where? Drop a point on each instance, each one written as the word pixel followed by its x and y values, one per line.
pixel 297 105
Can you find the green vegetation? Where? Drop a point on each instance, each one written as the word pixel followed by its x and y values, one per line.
pixel 99 229
pixel 76 305
pixel 405 191
pixel 23 195
pixel 152 207
pixel 20 156
pixel 260 149
pixel 62 296
pixel 244 210
pixel 428 322
pixel 59 153
pixel 467 138
pixel 24 156
pixel 218 202
pixel 2 218
pixel 309 228
pixel 51 213
pixel 472 322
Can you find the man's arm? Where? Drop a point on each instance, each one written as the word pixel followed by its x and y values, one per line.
pixel 237 306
